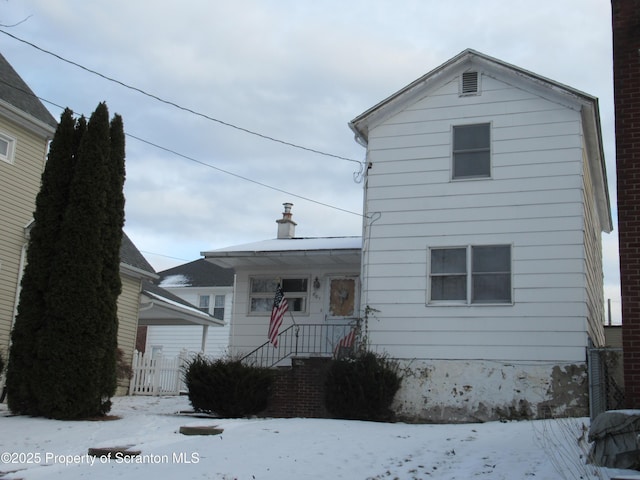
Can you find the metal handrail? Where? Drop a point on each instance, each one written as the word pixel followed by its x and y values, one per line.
pixel 299 340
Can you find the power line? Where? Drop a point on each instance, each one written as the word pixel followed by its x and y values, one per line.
pixel 200 162
pixel 277 189
pixel 180 107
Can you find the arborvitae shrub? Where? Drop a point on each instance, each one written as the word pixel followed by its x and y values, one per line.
pixel 362 387
pixel 227 387
pixel 1 365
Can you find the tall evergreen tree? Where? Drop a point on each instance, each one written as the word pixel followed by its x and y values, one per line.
pixel 51 203
pixel 74 349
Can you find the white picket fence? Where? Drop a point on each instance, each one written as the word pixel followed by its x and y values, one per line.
pixel 157 375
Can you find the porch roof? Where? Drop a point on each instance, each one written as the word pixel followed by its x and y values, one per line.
pixel 160 307
pixel 289 251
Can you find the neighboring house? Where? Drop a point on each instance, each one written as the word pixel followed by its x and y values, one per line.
pixel 486 196
pixel 209 288
pixel 143 303
pixel 320 279
pixel 26 127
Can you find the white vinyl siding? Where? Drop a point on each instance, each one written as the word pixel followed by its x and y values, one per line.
pixel 176 338
pixel 249 331
pixel 533 202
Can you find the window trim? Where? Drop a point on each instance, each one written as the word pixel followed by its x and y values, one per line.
pixel 208 302
pixel 11 148
pixel 469 274
pixel 489 175
pixel 270 295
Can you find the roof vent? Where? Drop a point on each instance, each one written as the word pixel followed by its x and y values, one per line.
pixel 470 84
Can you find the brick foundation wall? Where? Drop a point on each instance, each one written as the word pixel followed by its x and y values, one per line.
pixel 298 391
pixel 626 73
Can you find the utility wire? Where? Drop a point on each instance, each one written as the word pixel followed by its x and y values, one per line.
pixel 180 107
pixel 200 162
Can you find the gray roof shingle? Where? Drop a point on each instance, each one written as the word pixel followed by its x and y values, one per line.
pixel 16 92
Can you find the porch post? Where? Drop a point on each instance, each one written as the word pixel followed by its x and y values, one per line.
pixel 205 329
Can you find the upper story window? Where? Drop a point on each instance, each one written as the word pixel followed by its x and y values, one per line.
pixel 203 303
pixel 218 307
pixel 470 275
pixel 7 148
pixel 471 151
pixel 262 291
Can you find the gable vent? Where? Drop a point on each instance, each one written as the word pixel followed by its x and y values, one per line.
pixel 470 83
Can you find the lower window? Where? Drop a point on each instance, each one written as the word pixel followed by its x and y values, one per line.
pixel 262 292
pixel 470 274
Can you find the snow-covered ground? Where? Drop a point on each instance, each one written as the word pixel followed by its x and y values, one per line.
pixel 36 448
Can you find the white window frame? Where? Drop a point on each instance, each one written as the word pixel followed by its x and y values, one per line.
pixel 462 151
pixel 204 303
pixel 469 273
pixel 296 307
pixel 9 157
pixel 218 306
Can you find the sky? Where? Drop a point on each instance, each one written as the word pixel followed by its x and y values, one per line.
pixel 192 77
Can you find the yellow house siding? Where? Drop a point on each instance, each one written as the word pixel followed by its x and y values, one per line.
pixel 19 185
pixel 128 305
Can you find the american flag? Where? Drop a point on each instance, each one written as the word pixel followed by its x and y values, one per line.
pixel 280 307
pixel 346 341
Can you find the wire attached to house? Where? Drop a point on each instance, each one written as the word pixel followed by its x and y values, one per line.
pixel 200 162
pixel 180 107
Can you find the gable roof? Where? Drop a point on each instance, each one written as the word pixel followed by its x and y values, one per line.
pixel 133 261
pixel 199 273
pixel 289 251
pixel 16 95
pixel 470 59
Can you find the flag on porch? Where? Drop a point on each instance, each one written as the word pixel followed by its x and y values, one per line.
pixel 280 307
pixel 346 342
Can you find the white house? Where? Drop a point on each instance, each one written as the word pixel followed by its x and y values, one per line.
pixel 320 279
pixel 485 200
pixel 209 288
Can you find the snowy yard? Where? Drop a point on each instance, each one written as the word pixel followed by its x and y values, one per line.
pixel 35 448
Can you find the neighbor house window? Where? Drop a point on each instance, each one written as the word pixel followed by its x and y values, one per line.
pixel 262 291
pixel 470 275
pixel 203 303
pixel 7 148
pixel 218 307
pixel 471 151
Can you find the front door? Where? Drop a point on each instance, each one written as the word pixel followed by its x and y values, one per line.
pixel 342 312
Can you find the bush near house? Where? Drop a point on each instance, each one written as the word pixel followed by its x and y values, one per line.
pixel 227 387
pixel 1 365
pixel 362 387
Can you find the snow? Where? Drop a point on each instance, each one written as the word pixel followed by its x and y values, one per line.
pixel 294 244
pixel 175 281
pixel 265 448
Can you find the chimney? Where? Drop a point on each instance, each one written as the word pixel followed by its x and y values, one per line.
pixel 626 85
pixel 286 226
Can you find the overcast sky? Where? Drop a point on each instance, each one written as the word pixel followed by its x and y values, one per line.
pixel 294 70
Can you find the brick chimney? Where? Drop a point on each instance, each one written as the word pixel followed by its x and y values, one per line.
pixel 286 226
pixel 626 87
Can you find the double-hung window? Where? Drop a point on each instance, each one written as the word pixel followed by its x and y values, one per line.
pixel 262 291
pixel 7 148
pixel 470 275
pixel 203 303
pixel 218 307
pixel 471 151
